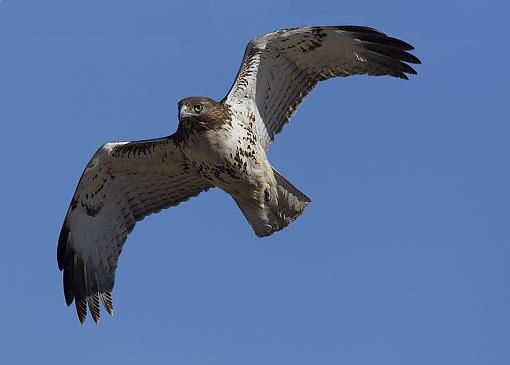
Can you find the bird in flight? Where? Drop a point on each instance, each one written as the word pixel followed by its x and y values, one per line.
pixel 217 144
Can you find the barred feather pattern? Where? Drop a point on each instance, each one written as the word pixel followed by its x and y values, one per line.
pixel 279 69
pixel 217 144
pixel 122 184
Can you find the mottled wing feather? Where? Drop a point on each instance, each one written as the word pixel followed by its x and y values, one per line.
pixel 122 184
pixel 279 69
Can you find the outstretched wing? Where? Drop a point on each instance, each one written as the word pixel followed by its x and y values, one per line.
pixel 122 184
pixel 279 69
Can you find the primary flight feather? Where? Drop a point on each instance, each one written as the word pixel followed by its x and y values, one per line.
pixel 217 144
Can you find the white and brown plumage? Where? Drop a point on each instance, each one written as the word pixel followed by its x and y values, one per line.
pixel 217 144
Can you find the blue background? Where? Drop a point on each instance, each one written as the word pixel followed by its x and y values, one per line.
pixel 402 257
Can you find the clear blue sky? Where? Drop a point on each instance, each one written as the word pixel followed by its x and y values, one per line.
pixel 402 257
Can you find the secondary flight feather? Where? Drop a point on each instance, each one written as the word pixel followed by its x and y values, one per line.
pixel 217 144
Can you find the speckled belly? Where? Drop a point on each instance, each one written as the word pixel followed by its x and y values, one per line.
pixel 235 164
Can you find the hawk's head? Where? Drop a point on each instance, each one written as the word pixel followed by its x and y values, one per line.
pixel 201 113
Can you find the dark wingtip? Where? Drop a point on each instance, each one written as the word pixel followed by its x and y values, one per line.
pixel 80 287
pixel 68 277
pixel 76 288
pixel 404 45
pixel 81 309
pixel 62 245
pixel 93 302
pixel 359 29
pixel 382 39
pixel 392 52
pixel 106 298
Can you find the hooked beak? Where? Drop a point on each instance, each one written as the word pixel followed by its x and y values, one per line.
pixel 183 110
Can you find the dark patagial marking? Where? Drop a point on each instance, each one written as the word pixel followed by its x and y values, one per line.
pixel 289 64
pixel 138 148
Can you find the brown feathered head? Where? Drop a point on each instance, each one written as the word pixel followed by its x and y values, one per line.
pixel 201 113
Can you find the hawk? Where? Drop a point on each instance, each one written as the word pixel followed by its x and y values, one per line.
pixel 217 144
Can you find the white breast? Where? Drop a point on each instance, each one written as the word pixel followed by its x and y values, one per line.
pixel 231 158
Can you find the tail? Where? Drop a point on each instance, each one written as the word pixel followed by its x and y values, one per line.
pixel 277 213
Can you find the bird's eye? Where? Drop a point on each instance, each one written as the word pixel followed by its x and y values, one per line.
pixel 198 108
